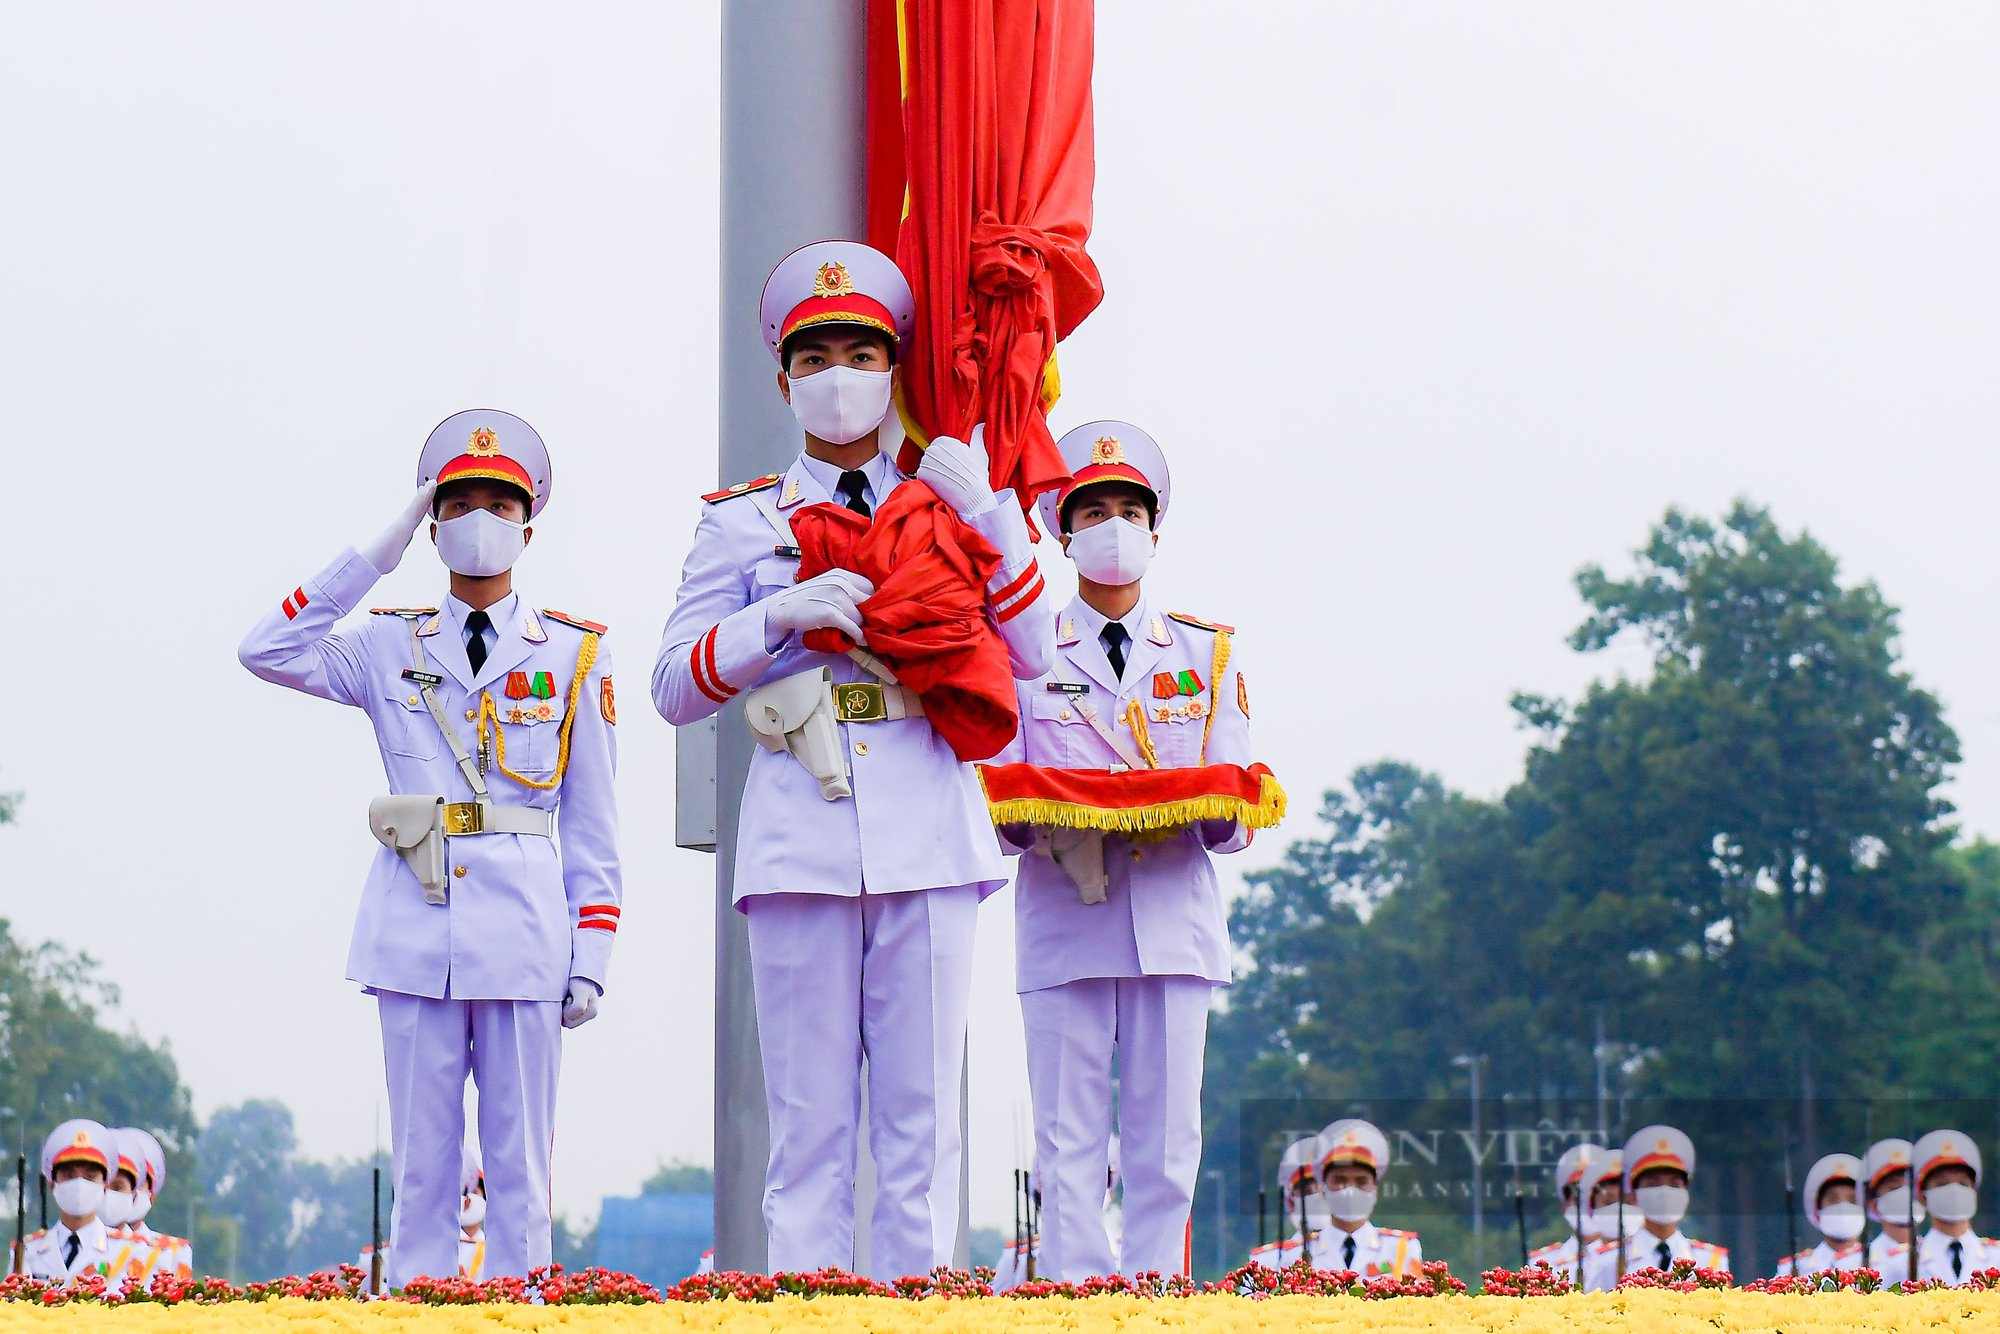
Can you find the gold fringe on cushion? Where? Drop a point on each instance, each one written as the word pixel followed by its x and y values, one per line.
pixel 1264 813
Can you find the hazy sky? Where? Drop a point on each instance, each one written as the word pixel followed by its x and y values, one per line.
pixel 1428 305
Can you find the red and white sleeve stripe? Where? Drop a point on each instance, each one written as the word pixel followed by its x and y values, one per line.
pixel 296 603
pixel 1019 593
pixel 597 917
pixel 701 662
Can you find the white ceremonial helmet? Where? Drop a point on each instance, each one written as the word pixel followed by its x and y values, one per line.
pixel 1884 1156
pixel 470 1175
pixel 1608 1166
pixel 1657 1146
pixel 835 282
pixel 490 444
pixel 1108 451
pixel 1574 1162
pixel 1945 1148
pixel 80 1141
pixel 1352 1142
pixel 1299 1164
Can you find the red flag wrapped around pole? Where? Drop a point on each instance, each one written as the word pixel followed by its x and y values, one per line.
pixel 981 160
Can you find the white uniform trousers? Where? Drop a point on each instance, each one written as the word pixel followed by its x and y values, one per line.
pixel 1157 1028
pixel 512 1050
pixel 888 976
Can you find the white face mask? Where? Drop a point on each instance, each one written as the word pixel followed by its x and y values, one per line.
pixel 1576 1222
pixel 78 1197
pixel 115 1208
pixel 480 544
pixel 1662 1204
pixel 1842 1222
pixel 471 1210
pixel 1893 1206
pixel 1952 1204
pixel 1605 1220
pixel 1349 1204
pixel 142 1204
pixel 1115 552
pixel 841 403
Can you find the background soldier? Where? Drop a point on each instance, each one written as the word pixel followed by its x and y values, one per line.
pixel 78 1159
pixel 1833 1205
pixel 1887 1165
pixel 1658 1168
pixel 1352 1157
pixel 1562 1256
pixel 1947 1168
pixel 479 940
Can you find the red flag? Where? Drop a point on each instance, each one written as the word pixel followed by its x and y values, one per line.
pixel 927 617
pixel 981 160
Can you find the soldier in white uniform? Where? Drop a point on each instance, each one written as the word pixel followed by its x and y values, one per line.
pixel 1603 1187
pixel 1578 1216
pixel 1119 961
pixel 1302 1209
pixel 1353 1154
pixel 1948 1168
pixel 864 846
pixel 472 1219
pixel 487 920
pixel 78 1159
pixel 1833 1206
pixel 1887 1169
pixel 1658 1165
pixel 172 1254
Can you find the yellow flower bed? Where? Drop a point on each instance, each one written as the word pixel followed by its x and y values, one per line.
pixel 1654 1312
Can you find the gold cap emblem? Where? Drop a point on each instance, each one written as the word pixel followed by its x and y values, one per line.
pixel 484 443
pixel 1661 1145
pixel 833 280
pixel 1107 450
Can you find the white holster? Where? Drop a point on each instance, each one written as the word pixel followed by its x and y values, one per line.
pixel 796 715
pixel 413 829
pixel 1080 853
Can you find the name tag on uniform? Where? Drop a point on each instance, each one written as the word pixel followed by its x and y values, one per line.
pixel 1068 688
pixel 422 678
pixel 789 553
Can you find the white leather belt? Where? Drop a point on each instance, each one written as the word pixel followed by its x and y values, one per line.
pixel 463 818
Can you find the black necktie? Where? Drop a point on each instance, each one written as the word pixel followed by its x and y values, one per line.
pixel 853 486
pixel 1666 1257
pixel 70 1248
pixel 1958 1259
pixel 476 625
pixel 1114 636
pixel 1347 1246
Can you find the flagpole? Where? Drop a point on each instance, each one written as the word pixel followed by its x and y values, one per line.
pixel 792 171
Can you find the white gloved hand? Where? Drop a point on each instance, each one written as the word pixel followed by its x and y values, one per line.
pixel 956 470
pixel 580 1005
pixel 830 601
pixel 386 551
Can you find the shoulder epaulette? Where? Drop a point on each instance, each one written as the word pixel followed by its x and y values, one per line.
pixel 1395 1232
pixel 577 621
pixel 37 1236
pixel 1199 624
pixel 745 488
pixel 410 613
pixel 1549 1249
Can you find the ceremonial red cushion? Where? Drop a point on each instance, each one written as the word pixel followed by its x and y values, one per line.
pixel 1132 801
pixel 927 618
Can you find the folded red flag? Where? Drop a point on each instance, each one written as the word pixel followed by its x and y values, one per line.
pixel 1132 801
pixel 927 619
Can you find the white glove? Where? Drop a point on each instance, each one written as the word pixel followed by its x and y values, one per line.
pixel 956 470
pixel 580 1005
pixel 830 601
pixel 386 551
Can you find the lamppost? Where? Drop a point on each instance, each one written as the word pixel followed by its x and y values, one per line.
pixel 1472 1064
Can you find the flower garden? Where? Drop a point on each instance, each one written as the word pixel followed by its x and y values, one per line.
pixel 1253 1298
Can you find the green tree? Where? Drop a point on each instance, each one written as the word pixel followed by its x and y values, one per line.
pixel 680 1178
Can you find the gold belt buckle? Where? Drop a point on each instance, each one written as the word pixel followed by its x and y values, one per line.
pixel 860 702
pixel 464 817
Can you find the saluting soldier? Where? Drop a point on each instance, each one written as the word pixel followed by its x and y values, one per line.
pixel 1658 1166
pixel 1887 1169
pixel 1578 1215
pixel 1118 963
pixel 78 1159
pixel 1301 1207
pixel 1947 1174
pixel 480 935
pixel 1353 1154
pixel 864 845
pixel 1833 1206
